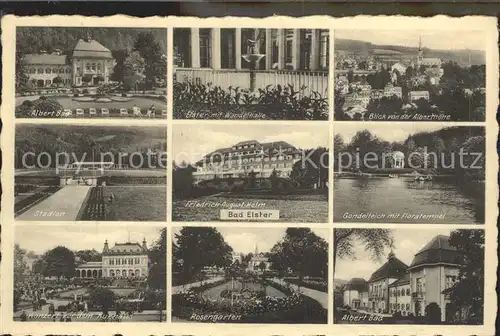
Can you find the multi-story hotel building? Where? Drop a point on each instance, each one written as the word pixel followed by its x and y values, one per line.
pixel 395 287
pixel 285 56
pixel 248 157
pixel 89 63
pixel 125 260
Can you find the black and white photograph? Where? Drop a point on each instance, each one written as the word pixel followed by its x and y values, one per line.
pixel 263 173
pixel 258 74
pixel 90 72
pixel 90 274
pixel 415 173
pixel 250 275
pixel 89 173
pixel 410 75
pixel 408 276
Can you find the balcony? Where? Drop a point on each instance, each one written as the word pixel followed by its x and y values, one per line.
pixel 418 296
pixel 312 80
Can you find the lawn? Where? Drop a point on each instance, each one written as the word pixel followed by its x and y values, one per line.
pixel 137 203
pixel 294 208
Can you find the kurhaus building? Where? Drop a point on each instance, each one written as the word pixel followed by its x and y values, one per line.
pixel 124 260
pixel 248 157
pixel 88 63
pixel 396 287
pixel 224 57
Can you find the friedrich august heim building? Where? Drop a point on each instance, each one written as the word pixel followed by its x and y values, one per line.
pixel 225 57
pixel 396 287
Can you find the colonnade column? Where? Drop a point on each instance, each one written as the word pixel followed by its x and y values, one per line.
pixel 269 49
pixel 296 49
pixel 237 48
pixel 315 49
pixel 195 47
pixel 215 39
pixel 281 49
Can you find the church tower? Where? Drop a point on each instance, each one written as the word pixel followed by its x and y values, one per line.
pixel 106 247
pixel 144 246
pixel 420 55
pixel 256 250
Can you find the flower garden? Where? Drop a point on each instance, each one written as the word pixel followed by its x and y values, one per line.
pixel 258 301
pixel 199 101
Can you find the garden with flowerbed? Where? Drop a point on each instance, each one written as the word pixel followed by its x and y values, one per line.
pixel 205 101
pixel 248 302
pixel 311 283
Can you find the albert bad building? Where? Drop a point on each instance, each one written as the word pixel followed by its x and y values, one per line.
pixel 89 61
pixel 248 157
pixel 397 287
pixel 123 260
pixel 225 57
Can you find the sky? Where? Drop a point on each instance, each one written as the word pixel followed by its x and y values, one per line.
pixel 385 131
pixel 407 242
pixel 40 239
pixel 435 39
pixel 244 240
pixel 191 142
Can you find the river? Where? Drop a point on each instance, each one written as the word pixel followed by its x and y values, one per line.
pixel 401 200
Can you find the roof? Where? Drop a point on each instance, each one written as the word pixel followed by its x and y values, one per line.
pixel 405 280
pixel 437 251
pixel 133 248
pixel 398 154
pixel 45 59
pixel 359 284
pixel 431 60
pixel 91 49
pixel 393 268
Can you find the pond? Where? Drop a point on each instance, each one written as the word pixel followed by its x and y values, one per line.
pixel 401 200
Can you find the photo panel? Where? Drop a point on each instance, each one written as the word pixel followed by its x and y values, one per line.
pixel 90 72
pixel 252 172
pixel 415 173
pixel 251 73
pixel 90 274
pixel 410 75
pixel 408 276
pixel 250 275
pixel 90 173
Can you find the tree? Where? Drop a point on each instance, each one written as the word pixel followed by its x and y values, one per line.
pixel 134 66
pixel 102 297
pixel 261 266
pixel 197 247
pixel 158 257
pixel 275 180
pixel 20 265
pixel 60 262
pixel 21 70
pixel 467 293
pixel 120 56
pixel 182 180
pixel 150 51
pixel 373 240
pixel 88 255
pixel 302 252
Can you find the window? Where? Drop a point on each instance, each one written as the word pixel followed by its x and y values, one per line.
pixel 118 261
pixel 48 82
pixel 47 70
pixel 407 306
pixel 93 66
pixel 99 67
pixel 131 261
pixel 61 70
pixel 407 292
pixel 111 261
pixel 205 48
pixel 40 70
pixel 54 70
pixel 68 70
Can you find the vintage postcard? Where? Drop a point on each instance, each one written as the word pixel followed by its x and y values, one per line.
pixel 297 176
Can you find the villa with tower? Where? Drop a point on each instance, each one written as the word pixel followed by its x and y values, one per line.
pixel 123 260
pixel 409 289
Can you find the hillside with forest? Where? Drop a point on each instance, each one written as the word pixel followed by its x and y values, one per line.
pixel 35 39
pixel 477 57
pixel 75 139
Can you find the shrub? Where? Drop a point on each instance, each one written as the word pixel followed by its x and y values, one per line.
pixel 42 302
pixel 124 95
pixel 42 98
pixel 85 91
pixel 62 308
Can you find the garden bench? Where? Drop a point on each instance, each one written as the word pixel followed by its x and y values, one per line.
pixel 67 113
pixel 79 112
pixel 104 112
pixel 92 111
pixel 123 112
